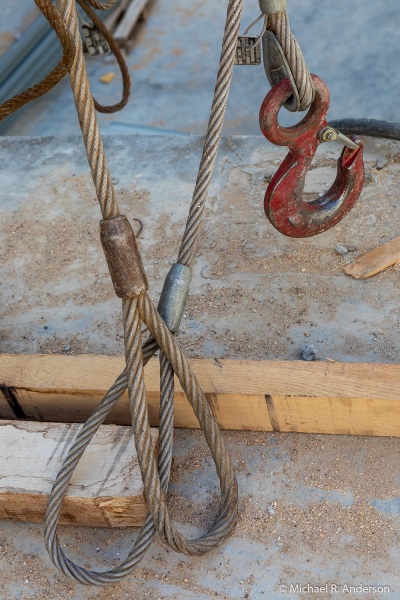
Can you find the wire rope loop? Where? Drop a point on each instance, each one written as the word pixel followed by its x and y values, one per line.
pixel 140 310
pixel 155 476
pixel 288 60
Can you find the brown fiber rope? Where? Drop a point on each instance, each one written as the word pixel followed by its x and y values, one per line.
pixel 62 68
pixel 53 16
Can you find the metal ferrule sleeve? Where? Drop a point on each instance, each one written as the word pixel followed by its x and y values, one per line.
pixel 272 7
pixel 123 257
pixel 174 296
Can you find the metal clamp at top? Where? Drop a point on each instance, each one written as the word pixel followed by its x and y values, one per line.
pixel 271 7
pixel 277 68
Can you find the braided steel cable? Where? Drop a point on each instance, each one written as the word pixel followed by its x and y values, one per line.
pixel 155 474
pixel 87 117
pixel 226 519
pixel 136 310
pixel 210 149
pixel 83 439
pixel 279 24
pixel 214 132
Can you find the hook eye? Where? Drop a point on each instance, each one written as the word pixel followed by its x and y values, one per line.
pixel 309 127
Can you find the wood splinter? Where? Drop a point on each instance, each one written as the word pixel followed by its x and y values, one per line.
pixel 375 261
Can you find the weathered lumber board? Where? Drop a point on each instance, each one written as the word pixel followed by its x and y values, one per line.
pixel 375 261
pixel 115 13
pixel 129 20
pixel 318 397
pixel 106 489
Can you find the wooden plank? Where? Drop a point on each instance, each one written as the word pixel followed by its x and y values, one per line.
pixel 129 20
pixel 106 489
pixel 375 261
pixel 8 408
pixel 52 388
pixel 242 393
pixel 91 374
pixel 342 416
pixel 115 13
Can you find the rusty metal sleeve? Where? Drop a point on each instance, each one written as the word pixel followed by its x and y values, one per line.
pixel 123 257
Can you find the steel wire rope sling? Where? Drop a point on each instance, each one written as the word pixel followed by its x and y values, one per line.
pixel 130 284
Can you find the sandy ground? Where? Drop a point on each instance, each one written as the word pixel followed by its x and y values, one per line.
pixel 314 510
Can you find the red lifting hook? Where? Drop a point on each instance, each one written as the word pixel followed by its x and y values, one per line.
pixel 284 204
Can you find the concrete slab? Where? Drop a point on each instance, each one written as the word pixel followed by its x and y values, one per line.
pixel 255 293
pixel 314 510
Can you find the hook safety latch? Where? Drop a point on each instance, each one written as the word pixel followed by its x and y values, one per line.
pixel 284 205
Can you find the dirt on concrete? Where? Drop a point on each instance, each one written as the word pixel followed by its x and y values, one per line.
pixel 255 294
pixel 313 509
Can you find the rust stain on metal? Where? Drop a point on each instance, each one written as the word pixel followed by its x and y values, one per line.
pixel 123 257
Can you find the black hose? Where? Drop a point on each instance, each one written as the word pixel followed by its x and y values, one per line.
pixel 368 127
